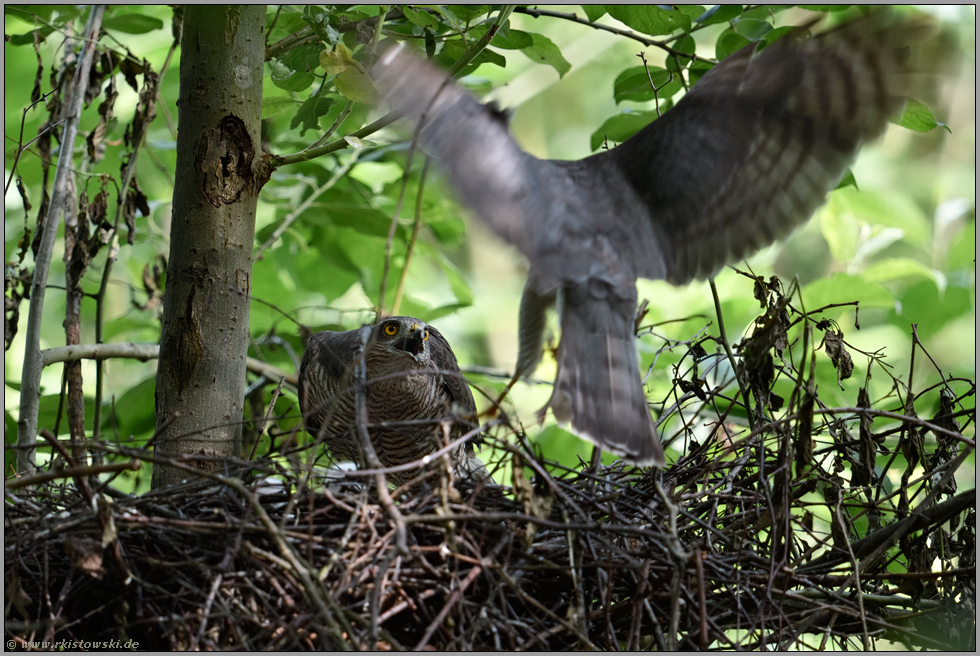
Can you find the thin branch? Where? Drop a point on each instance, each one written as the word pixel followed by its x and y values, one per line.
pixel 574 18
pixel 30 392
pixel 410 247
pixel 72 472
pixel 144 352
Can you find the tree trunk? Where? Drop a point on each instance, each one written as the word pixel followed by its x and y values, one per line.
pixel 203 345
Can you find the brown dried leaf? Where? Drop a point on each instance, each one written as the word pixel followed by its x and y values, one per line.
pixel 146 109
pixel 759 292
pixel 834 345
pixel 130 67
pixel 863 468
pixel 693 387
pixel 36 90
pixel 135 200
pixel 96 138
pixel 804 438
pixel 16 287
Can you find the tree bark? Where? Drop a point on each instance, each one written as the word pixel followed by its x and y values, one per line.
pixel 204 341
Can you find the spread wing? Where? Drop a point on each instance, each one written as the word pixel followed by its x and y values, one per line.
pixel 487 169
pixel 747 155
pixel 753 149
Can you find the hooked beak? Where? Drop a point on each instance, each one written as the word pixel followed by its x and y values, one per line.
pixel 414 342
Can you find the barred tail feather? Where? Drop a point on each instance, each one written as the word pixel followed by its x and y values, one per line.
pixel 598 388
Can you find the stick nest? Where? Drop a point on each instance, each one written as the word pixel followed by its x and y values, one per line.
pixel 810 528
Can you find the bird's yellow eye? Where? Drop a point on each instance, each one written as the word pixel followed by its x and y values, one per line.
pixel 391 330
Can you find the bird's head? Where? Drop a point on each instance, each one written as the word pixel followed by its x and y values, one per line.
pixel 405 334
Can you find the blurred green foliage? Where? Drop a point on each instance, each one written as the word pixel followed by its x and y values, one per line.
pixel 332 231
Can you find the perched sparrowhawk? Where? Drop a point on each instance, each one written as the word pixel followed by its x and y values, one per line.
pixel 414 389
pixel 745 156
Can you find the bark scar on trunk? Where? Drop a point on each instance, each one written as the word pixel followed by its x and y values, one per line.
pixel 225 159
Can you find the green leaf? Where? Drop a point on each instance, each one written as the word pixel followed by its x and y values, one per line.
pixel 594 12
pixel 454 23
pixel 277 106
pixel 841 229
pixel 776 34
pixel 26 13
pixel 308 115
pixel 562 445
pixel 290 80
pixel 376 175
pixel 719 14
pixel 650 19
pixel 698 69
pixel 621 127
pixel 442 216
pixel 454 49
pixel 28 38
pixel 511 39
pixel 318 20
pixel 355 84
pixel 342 211
pixel 893 208
pixel 934 310
pixel 962 252
pixel 919 118
pixel 752 29
pixel 469 12
pixel 684 44
pixel 132 23
pixel 847 181
pixel 133 413
pixel 544 51
pixel 843 288
pixel 877 239
pixel 47 414
pixel 134 327
pixel 461 289
pixel 288 22
pixel 728 42
pixel 898 268
pixel 634 84
pixel 691 11
pixel 343 249
pixel 826 8
pixel 763 12
pixel 421 18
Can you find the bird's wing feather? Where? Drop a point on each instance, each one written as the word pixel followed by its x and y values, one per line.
pixel 445 360
pixel 753 149
pixel 489 172
pixel 327 358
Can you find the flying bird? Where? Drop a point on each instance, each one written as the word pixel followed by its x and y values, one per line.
pixel 744 157
pixel 413 388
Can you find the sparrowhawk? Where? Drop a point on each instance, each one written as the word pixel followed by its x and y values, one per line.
pixel 744 157
pixel 414 389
